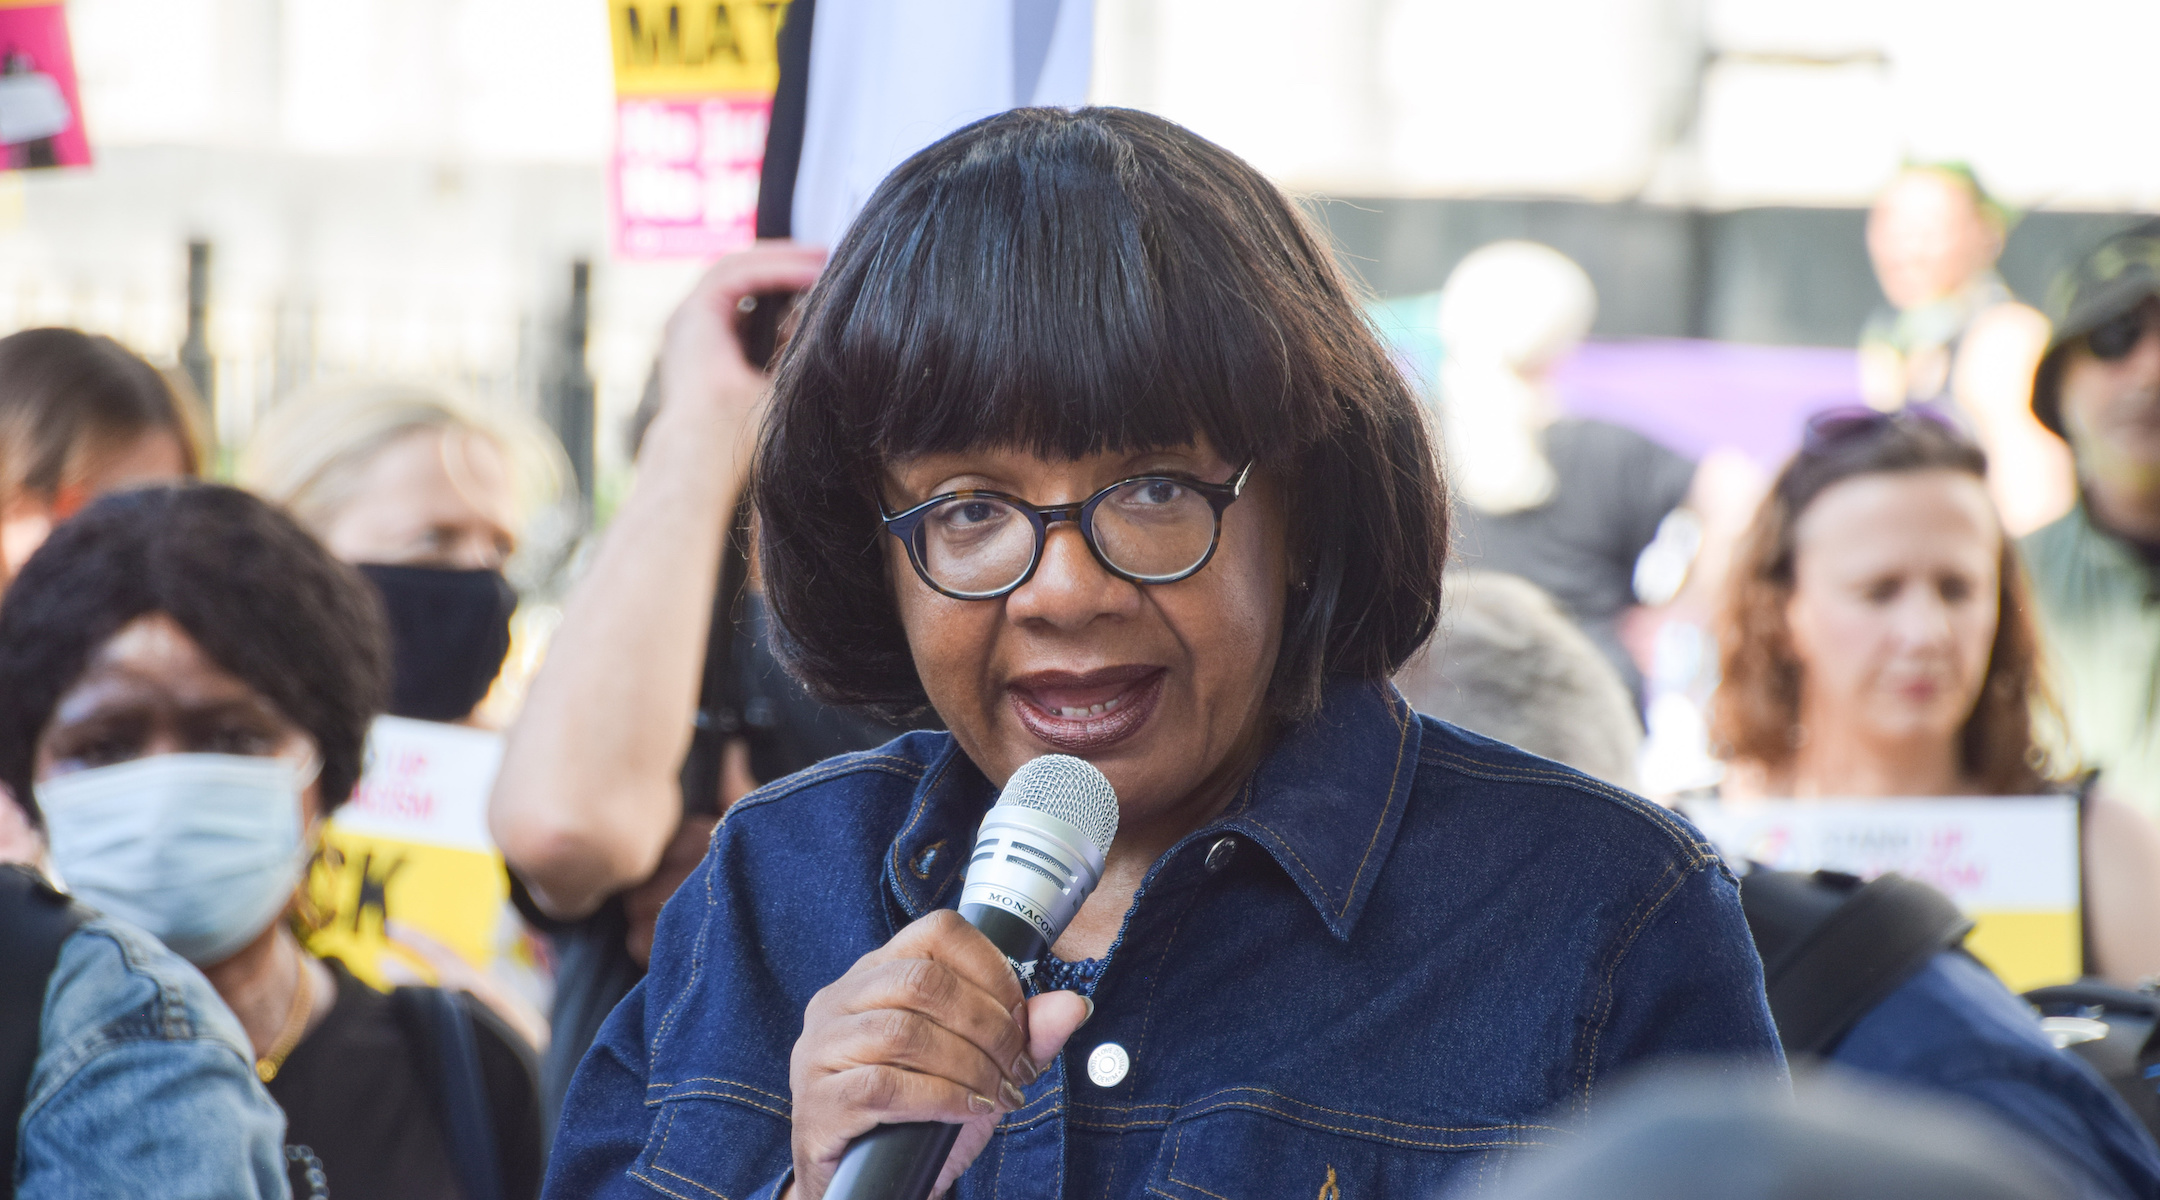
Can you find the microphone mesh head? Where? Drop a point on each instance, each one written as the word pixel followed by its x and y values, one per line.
pixel 1070 789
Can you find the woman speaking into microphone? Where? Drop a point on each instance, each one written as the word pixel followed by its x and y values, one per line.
pixel 1084 444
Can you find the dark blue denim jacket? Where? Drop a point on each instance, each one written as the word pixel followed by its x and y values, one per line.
pixel 1402 952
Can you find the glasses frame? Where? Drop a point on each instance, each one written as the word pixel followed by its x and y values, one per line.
pixel 907 525
pixel 1836 427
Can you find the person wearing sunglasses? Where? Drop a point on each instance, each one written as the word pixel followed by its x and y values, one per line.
pixel 1084 445
pixel 2096 571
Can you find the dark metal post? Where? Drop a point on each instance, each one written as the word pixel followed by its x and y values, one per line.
pixel 566 397
pixel 195 348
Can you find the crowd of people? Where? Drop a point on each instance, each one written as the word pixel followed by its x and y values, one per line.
pixel 1080 442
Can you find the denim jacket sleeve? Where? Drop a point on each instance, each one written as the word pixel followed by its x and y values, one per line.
pixel 143 1084
pixel 1686 982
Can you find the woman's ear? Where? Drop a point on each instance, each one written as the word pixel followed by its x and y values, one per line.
pixel 20 841
pixel 26 520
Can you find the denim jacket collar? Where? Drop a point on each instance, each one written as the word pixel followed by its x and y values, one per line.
pixel 1325 803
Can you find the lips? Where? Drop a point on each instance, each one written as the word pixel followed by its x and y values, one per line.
pixel 1077 711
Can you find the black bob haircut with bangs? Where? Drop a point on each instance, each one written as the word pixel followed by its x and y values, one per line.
pixel 1073 282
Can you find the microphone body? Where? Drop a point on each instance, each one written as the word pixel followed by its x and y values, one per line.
pixel 1037 858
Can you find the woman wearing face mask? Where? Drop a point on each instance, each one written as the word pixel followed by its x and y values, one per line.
pixel 1878 642
pixel 186 683
pixel 428 497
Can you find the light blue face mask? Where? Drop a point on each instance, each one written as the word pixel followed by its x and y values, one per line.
pixel 203 850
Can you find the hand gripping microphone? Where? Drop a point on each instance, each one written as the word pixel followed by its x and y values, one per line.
pixel 1038 856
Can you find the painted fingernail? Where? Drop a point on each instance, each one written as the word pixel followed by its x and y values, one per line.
pixel 1013 1098
pixel 1091 1009
pixel 1024 1070
pixel 981 1104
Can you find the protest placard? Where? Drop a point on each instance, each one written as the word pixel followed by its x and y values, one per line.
pixel 40 112
pixel 694 86
pixel 412 847
pixel 2010 862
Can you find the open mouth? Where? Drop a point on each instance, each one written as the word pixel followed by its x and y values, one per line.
pixel 1086 711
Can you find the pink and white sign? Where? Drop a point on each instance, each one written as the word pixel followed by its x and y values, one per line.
pixel 685 178
pixel 40 113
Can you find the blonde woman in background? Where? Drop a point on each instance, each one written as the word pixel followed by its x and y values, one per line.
pixel 1566 503
pixel 429 496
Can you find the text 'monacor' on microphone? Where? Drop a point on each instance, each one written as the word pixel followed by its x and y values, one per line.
pixel 1039 854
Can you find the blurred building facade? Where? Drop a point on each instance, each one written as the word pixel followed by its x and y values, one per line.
pixel 404 186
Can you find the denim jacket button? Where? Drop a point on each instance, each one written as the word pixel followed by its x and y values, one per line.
pixel 1108 1064
pixel 1220 854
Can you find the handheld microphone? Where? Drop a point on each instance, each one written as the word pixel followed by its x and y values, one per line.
pixel 1037 858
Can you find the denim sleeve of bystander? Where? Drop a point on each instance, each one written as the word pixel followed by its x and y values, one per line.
pixel 143 1084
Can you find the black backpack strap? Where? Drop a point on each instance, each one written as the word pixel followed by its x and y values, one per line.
pixel 1832 970
pixel 35 921
pixel 445 1028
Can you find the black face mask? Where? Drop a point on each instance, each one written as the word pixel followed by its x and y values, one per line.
pixel 449 634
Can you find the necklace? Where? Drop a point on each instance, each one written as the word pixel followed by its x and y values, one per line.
pixel 266 1067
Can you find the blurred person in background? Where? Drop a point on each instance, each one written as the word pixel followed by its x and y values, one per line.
pixel 429 498
pixel 1877 642
pixel 1954 339
pixel 1566 503
pixel 1699 1132
pixel 80 415
pixel 1507 663
pixel 2096 572
pixel 596 808
pixel 121 1072
pixel 186 683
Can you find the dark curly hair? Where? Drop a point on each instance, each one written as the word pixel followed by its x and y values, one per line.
pixel 1757 707
pixel 260 596
pixel 1073 282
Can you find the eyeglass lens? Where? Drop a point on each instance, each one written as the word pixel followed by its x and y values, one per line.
pixel 2117 336
pixel 1146 528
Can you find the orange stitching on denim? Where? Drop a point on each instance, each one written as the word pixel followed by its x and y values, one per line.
pixel 692 1182
pixel 717 1079
pixel 1292 852
pixel 1402 740
pixel 655 1184
pixel 732 1098
pixel 1177 1145
pixel 667 1131
pixel 1218 1094
pixel 792 784
pixel 1589 1066
pixel 1369 1135
pixel 1702 852
pixel 921 807
pixel 697 968
pixel 1147 1011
